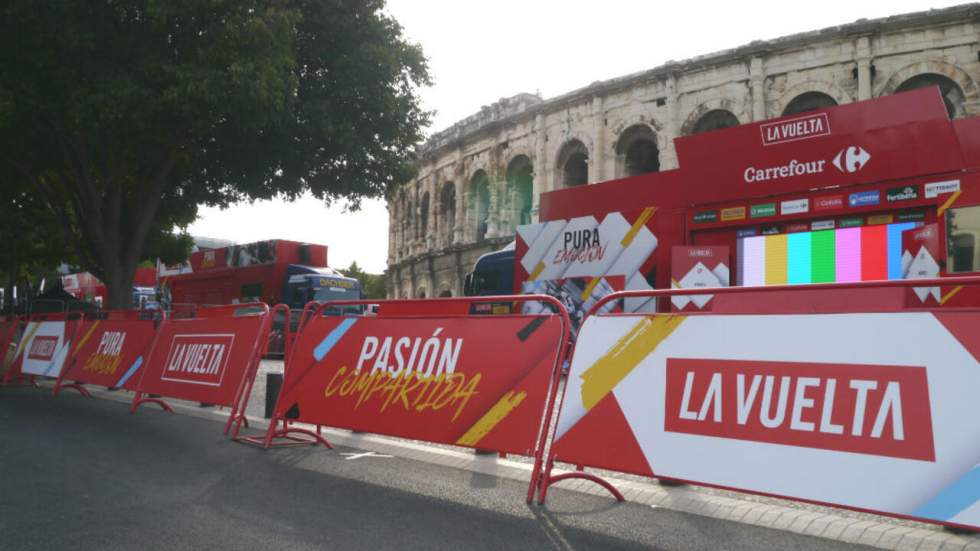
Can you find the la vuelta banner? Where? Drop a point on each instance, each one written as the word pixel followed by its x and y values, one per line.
pixel 867 411
pixel 203 359
pixel 110 352
pixel 470 381
pixel 43 348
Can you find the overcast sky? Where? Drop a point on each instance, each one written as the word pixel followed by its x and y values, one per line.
pixel 480 52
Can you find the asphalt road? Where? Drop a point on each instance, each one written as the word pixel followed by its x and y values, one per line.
pixel 79 473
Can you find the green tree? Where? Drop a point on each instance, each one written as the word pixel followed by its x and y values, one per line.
pixel 372 285
pixel 31 250
pixel 126 115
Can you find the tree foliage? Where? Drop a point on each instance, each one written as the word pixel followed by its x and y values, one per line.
pixel 372 285
pixel 124 116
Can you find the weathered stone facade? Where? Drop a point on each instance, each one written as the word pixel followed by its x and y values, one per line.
pixel 483 176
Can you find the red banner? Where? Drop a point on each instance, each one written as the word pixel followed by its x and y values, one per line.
pixel 110 352
pixel 476 381
pixel 205 359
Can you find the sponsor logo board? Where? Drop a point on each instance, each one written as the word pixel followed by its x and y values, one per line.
pixel 851 222
pixel 901 193
pixel 828 202
pixel 732 213
pixel 706 216
pixel 880 219
pixel 936 189
pixel 763 210
pixel 864 198
pixel 796 206
pixel 822 225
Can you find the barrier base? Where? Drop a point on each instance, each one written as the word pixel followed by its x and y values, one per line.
pixel 80 387
pixel 281 437
pixel 140 401
pixel 548 480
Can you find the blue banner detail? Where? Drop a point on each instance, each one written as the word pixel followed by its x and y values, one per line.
pixel 332 338
pixel 954 498
pixel 132 370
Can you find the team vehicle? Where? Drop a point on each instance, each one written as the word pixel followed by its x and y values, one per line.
pixel 274 272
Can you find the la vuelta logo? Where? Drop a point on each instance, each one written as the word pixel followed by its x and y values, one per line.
pixel 870 409
pixel 42 348
pixel 198 359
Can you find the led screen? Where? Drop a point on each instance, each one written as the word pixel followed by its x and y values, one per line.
pixel 828 256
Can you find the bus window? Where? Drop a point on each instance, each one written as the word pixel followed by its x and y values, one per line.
pixel 962 234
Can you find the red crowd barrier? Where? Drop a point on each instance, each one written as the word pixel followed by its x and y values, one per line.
pixel 211 358
pixel 426 370
pixel 869 411
pixel 8 334
pixel 110 350
pixel 43 348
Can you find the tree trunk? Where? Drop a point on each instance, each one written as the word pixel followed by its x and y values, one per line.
pixel 119 286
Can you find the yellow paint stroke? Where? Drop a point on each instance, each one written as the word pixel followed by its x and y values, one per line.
pixel 85 338
pixel 950 294
pixel 587 292
pixel 640 222
pixel 949 202
pixel 674 283
pixel 603 376
pixel 27 338
pixel 537 271
pixel 492 418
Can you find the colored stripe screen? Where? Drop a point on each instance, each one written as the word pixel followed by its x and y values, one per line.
pixel 866 253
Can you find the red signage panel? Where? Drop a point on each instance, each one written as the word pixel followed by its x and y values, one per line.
pixel 203 359
pixel 477 381
pixel 899 136
pixel 110 352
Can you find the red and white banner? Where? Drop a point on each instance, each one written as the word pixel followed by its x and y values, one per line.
pixel 204 359
pixel 479 381
pixel 871 411
pixel 110 352
pixel 920 251
pixel 43 348
pixel 694 267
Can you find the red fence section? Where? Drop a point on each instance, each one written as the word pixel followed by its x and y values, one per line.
pixel 210 358
pixel 8 332
pixel 427 371
pixel 109 350
pixel 43 348
pixel 871 411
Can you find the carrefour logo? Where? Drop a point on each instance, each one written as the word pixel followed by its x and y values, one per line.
pixel 848 160
pixel 851 159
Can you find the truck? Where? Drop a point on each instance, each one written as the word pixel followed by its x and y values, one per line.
pixel 274 271
pixel 881 189
pixel 85 286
